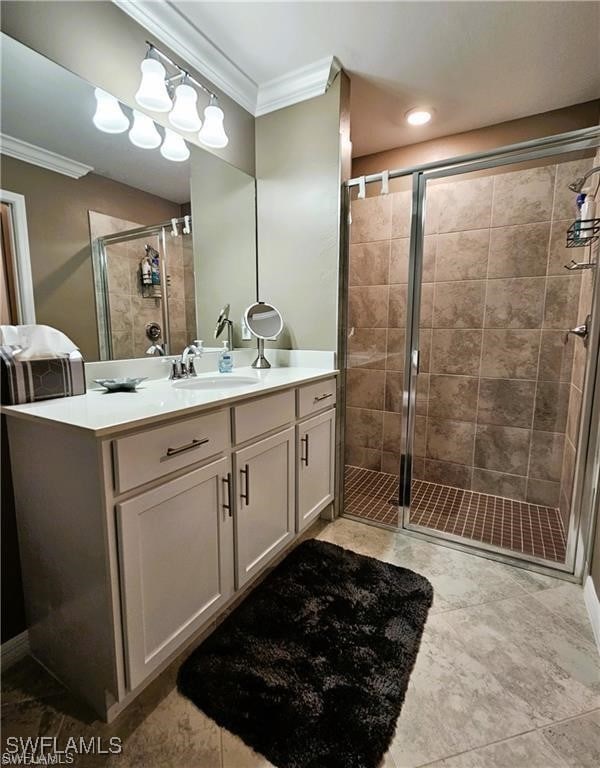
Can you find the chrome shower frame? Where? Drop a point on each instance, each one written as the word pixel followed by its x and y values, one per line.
pixel 578 539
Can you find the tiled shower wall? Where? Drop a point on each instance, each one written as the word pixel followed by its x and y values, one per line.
pixel 495 379
pixel 588 278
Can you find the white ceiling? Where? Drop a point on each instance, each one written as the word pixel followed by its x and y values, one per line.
pixel 476 63
pixel 48 106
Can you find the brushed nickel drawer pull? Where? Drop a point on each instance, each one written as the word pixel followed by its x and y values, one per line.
pixel 304 454
pixel 246 494
pixel 188 447
pixel 318 398
pixel 227 484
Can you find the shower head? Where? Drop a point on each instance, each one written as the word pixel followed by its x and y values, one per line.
pixel 577 185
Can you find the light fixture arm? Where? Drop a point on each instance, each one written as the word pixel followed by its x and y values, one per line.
pixel 182 72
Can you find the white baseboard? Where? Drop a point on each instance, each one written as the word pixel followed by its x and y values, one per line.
pixel 593 607
pixel 14 650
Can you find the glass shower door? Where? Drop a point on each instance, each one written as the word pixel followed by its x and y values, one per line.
pixel 493 403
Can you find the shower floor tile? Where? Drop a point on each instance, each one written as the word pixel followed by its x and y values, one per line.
pixel 514 525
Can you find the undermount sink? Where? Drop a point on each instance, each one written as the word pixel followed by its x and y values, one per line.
pixel 218 383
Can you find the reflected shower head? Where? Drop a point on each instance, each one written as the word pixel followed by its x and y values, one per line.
pixel 577 186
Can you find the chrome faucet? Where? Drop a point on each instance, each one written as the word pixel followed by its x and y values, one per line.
pixel 184 367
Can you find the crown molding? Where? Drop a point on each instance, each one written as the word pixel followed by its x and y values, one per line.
pixel 34 155
pixel 169 26
pixel 298 85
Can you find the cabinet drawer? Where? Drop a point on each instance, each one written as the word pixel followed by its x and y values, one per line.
pixel 157 452
pixel 263 415
pixel 316 397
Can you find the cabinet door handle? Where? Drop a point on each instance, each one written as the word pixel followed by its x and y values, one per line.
pixel 227 483
pixel 304 454
pixel 187 447
pixel 246 494
pixel 318 398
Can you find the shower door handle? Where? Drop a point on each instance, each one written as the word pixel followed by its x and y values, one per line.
pixel 416 360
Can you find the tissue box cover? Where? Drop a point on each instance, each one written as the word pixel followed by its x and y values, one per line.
pixel 25 381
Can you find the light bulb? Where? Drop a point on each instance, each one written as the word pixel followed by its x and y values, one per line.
pixel 143 132
pixel 109 117
pixel 174 147
pixel 152 93
pixel 185 114
pixel 212 133
pixel 418 116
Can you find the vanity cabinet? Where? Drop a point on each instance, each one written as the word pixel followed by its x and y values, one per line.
pixel 134 537
pixel 316 460
pixel 265 474
pixel 176 562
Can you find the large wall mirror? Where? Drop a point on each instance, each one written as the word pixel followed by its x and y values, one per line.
pixel 122 240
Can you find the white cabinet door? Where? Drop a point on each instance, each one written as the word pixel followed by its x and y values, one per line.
pixel 176 558
pixel 316 479
pixel 265 502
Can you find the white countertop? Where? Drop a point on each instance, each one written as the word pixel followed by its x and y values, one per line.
pixel 103 413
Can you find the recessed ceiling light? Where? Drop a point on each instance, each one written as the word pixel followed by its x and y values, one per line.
pixel 418 116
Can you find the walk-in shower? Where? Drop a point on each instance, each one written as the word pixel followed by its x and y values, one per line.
pixel 144 286
pixel 463 385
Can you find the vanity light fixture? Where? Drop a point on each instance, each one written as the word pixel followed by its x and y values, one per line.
pixel 143 132
pixel 109 117
pixel 419 116
pixel 185 113
pixel 212 133
pixel 152 93
pixel 174 147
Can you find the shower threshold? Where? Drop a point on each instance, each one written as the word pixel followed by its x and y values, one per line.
pixel 517 526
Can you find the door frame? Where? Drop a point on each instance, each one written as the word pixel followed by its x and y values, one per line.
pixel 21 256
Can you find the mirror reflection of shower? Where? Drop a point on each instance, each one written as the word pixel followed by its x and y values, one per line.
pixel 144 278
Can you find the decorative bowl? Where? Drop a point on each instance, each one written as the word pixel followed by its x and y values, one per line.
pixel 124 384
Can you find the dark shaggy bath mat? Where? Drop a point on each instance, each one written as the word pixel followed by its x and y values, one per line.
pixel 311 669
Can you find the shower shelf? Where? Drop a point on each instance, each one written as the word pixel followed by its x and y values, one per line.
pixel 590 226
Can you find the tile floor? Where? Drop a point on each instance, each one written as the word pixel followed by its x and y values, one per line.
pixel 508 676
pixel 514 525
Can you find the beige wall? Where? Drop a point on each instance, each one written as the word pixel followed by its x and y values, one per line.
pixel 59 240
pixel 104 46
pixel 299 169
pixel 490 137
pixel 224 232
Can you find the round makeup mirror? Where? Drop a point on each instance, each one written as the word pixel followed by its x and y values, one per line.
pixel 265 322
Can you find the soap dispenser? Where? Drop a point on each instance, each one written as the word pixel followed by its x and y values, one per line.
pixel 225 359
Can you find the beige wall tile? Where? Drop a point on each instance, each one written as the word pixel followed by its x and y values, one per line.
pixel 455 352
pixel 120 312
pixel 559 255
pixel 392 435
pixel 399 260
pixel 574 412
pixel 365 388
pixel 397 313
pixel 503 449
pixel 369 263
pixel 425 349
pixel 499 484
pixel 510 354
pixel 422 399
pixel 462 255
pixel 562 301
pixel 426 314
pixel 453 397
pixel 364 427
pixel 395 349
pixel 449 440
pixel 459 304
pixel 506 402
pixel 429 258
pixel 371 219
pixel 390 462
pixel 551 406
pixel 420 441
pixel 394 386
pixel 367 458
pixel 556 356
pixel 521 197
pixel 545 462
pixel 368 306
pixel 446 473
pixel 401 203
pixel 465 204
pixel 515 303
pixel 519 251
pixel 543 492
pixel 122 343
pixel 367 348
pixel 566 470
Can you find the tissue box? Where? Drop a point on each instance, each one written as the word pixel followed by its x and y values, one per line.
pixel 25 381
